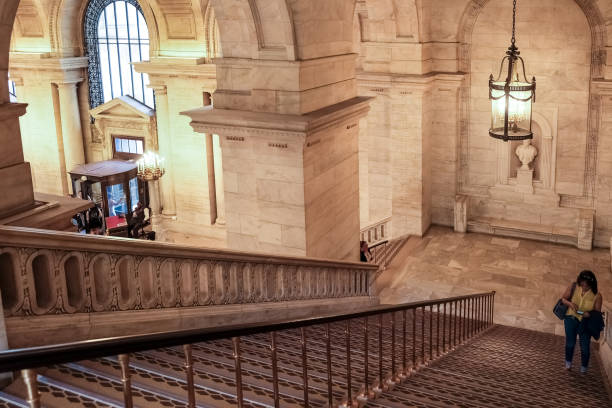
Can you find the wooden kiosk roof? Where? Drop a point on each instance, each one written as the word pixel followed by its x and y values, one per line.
pixel 107 169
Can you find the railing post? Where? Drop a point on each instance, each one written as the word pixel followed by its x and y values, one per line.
pixel 330 395
pixel 470 317
pixel 381 381
pixel 438 331
pixel 493 308
pixel 189 372
pixel 394 377
pixel 366 356
pixel 304 365
pixel 239 398
pixel 483 302
pixel 349 383
pixel 404 364
pixel 430 332
pixel 31 382
pixel 455 324
pixel 414 317
pixel 274 369
pixel 423 335
pixel 124 362
pixel 444 330
pixel 464 320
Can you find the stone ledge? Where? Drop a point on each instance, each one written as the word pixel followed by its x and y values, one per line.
pixel 525 230
pixel 37 330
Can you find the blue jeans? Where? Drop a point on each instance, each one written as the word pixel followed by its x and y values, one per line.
pixel 572 328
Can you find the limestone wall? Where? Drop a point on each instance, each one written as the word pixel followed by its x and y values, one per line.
pixel 331 189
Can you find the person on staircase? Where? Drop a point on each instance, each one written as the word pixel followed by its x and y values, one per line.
pixel 582 300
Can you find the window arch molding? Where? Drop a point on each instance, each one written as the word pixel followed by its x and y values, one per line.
pixel 93 11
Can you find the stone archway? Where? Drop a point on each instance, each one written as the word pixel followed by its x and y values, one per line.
pixel 66 26
pixel 599 39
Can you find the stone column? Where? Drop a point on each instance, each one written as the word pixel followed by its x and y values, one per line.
pixel 210 170
pixel 220 189
pixel 154 201
pixel 164 141
pixel 72 134
pixel 461 213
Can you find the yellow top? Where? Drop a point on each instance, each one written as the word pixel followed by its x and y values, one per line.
pixel 585 302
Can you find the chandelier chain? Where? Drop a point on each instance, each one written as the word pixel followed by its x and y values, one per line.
pixel 513 19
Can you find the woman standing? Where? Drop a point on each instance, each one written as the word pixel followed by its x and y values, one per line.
pixel 581 298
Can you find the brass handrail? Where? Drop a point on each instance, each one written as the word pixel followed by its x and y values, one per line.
pixel 470 314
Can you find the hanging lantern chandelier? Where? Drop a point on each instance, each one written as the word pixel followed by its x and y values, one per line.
pixel 511 98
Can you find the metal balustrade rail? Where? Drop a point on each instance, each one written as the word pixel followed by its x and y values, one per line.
pixel 372 350
pixel 51 273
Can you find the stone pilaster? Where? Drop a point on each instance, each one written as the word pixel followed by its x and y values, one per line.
pixel 15 174
pixel 219 184
pixel 291 181
pixel 164 141
pixel 461 213
pixel 52 132
pixel 72 134
pixel 188 188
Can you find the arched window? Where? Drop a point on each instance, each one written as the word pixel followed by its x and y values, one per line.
pixel 116 34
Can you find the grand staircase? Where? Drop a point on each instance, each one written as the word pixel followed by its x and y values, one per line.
pixel 499 367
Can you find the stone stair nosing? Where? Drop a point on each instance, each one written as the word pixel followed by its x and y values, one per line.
pixel 11 401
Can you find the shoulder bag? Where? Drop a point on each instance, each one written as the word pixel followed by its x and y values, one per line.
pixel 560 309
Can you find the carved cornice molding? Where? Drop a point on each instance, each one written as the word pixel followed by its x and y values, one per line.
pixel 42 62
pixel 261 124
pixel 409 81
pixel 177 67
pixel 12 110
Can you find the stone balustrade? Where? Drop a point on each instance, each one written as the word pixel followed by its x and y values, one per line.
pixel 50 273
pixel 376 232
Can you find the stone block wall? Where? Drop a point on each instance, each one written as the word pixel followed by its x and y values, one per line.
pixel 603 192
pixel 331 190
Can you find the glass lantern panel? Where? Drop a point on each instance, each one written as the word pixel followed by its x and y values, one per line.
pixel 117 203
pixel 519 112
pixel 134 197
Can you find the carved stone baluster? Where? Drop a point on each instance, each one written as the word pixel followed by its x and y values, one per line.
pixel 158 282
pixel 247 282
pixel 114 289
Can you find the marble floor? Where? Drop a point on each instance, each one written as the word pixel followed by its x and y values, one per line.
pixel 528 276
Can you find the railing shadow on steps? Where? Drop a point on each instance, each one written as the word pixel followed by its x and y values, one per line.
pixel 374 349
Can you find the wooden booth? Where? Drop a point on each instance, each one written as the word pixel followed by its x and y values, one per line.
pixel 113 186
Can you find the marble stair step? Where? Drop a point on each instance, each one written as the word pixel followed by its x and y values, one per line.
pixel 57 394
pixel 11 401
pixel 489 387
pixel 290 382
pixel 92 377
pixel 316 365
pixel 317 375
pixel 255 386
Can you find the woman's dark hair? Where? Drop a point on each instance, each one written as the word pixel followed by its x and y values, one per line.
pixel 589 278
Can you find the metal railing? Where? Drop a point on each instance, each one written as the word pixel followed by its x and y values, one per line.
pixel 378 251
pixel 414 334
pixel 377 232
